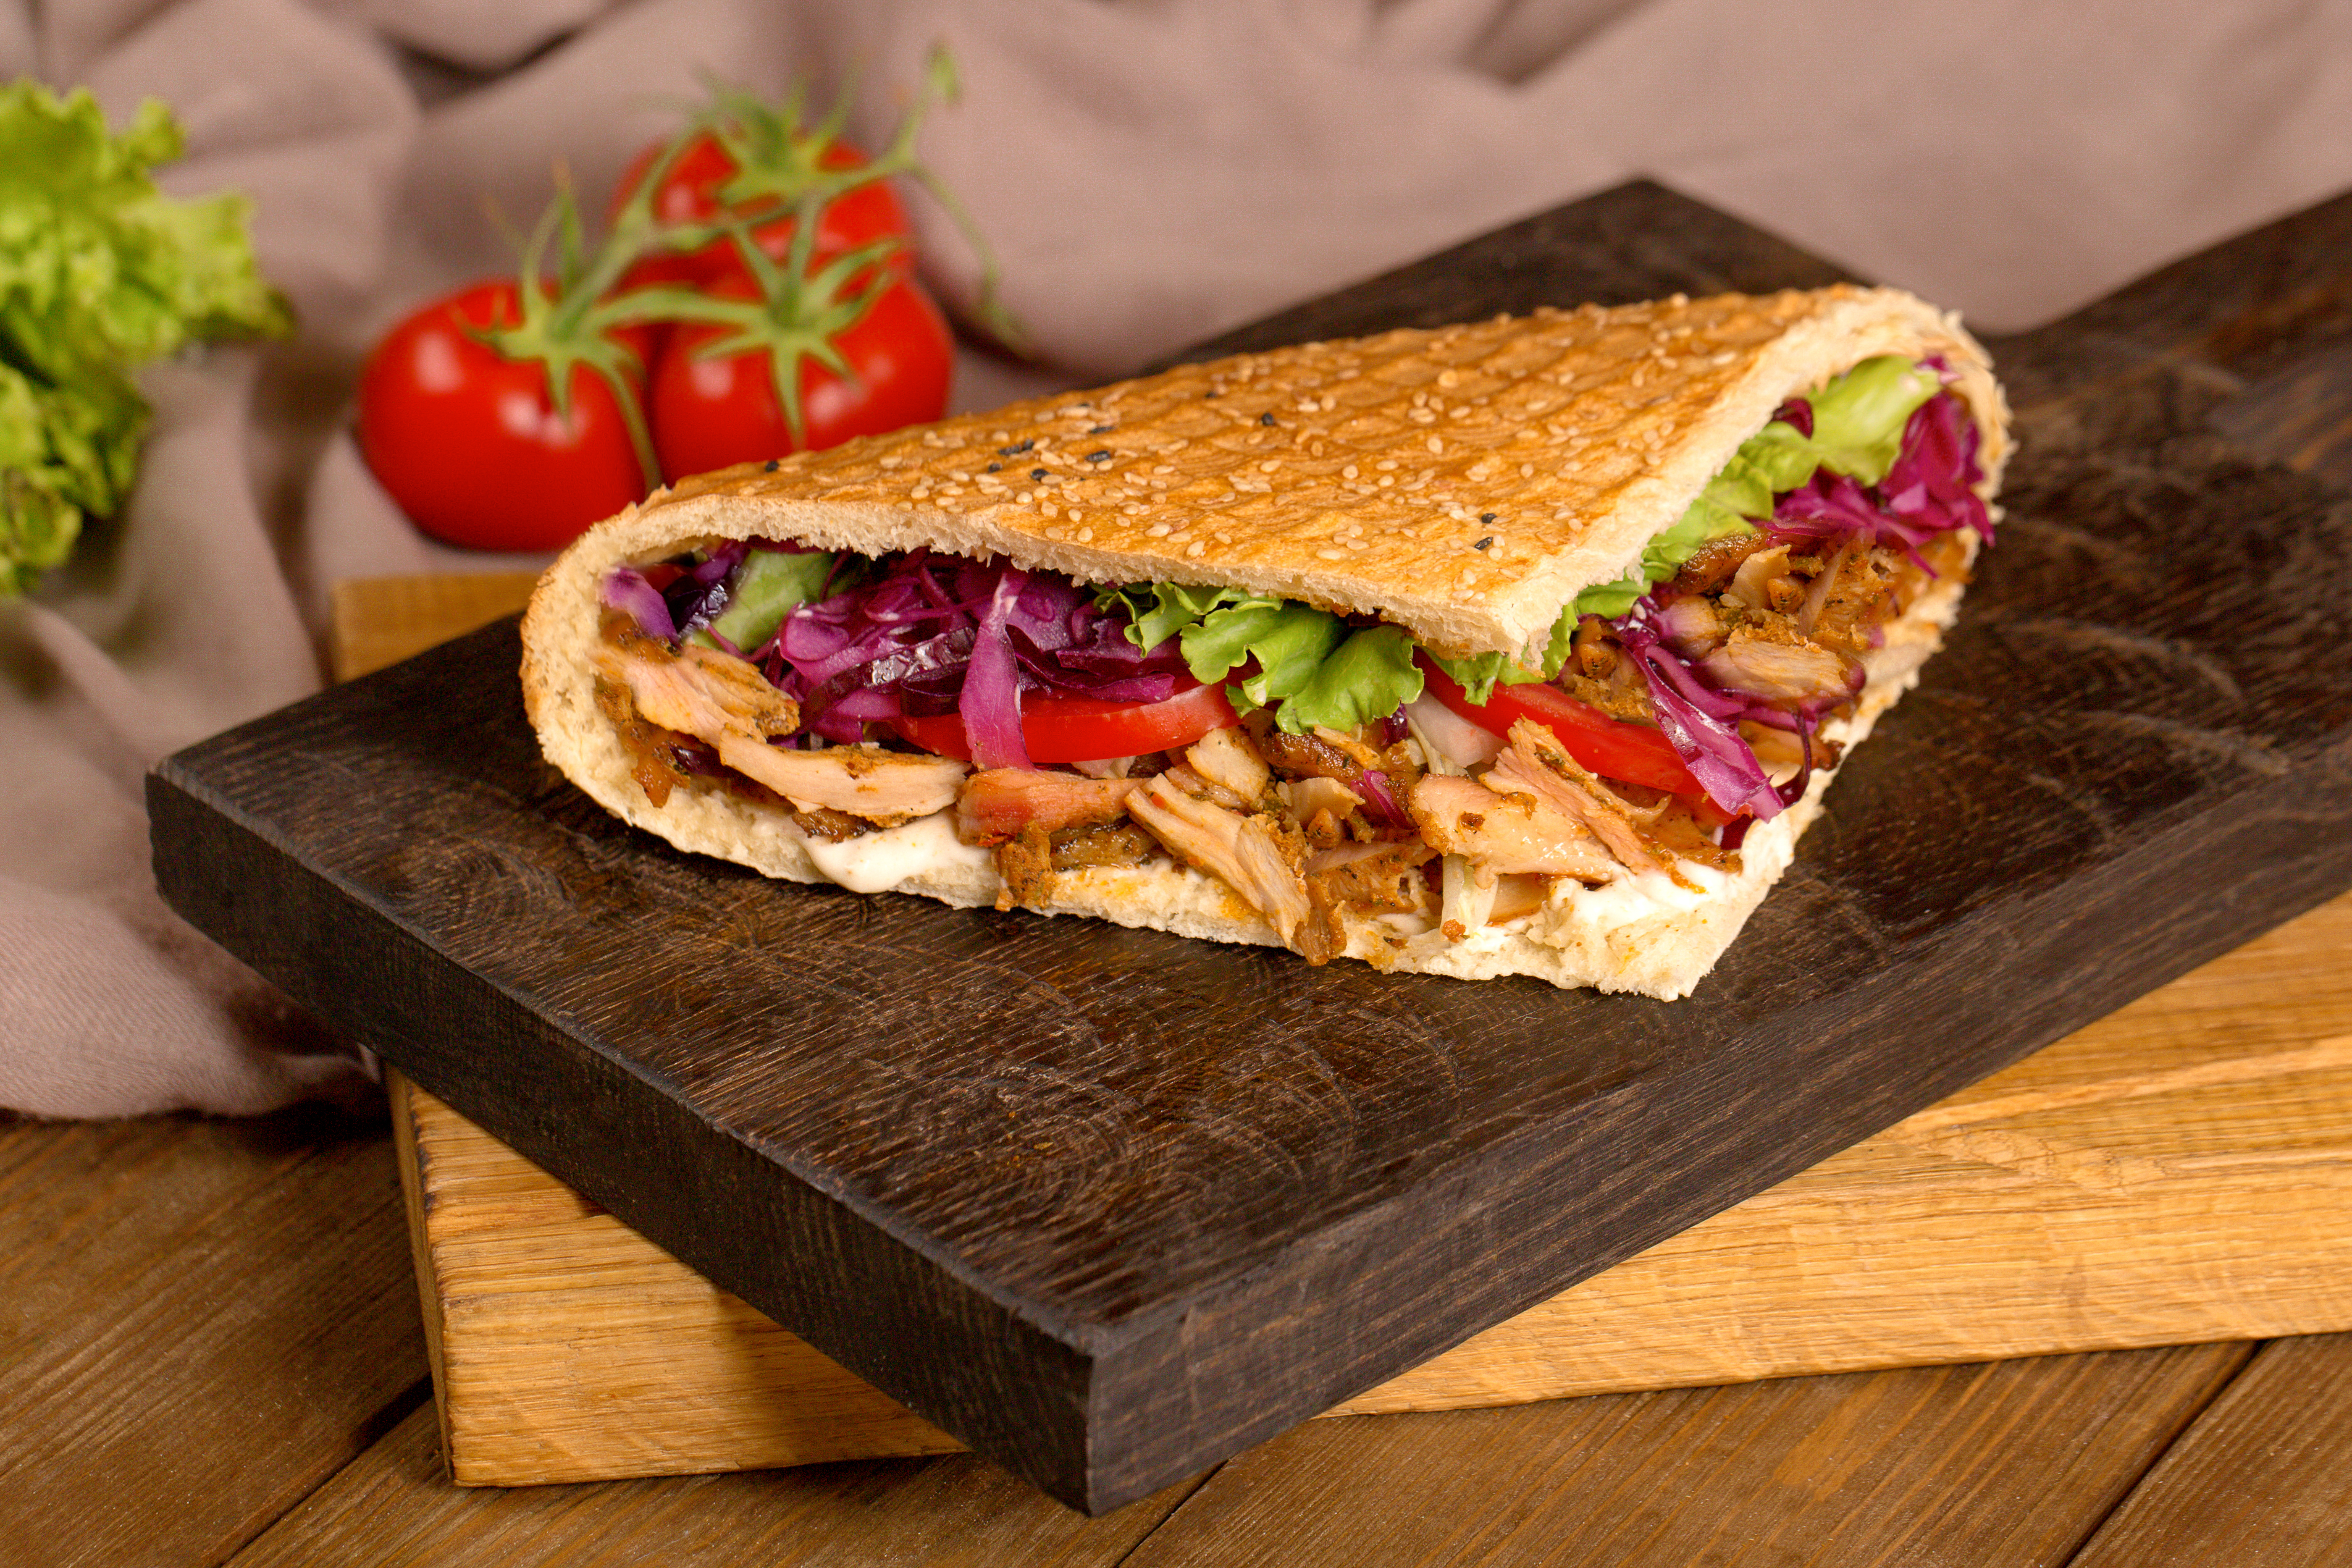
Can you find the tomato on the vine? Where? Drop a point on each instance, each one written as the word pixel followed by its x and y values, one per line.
pixel 1083 729
pixel 469 445
pixel 693 192
pixel 709 412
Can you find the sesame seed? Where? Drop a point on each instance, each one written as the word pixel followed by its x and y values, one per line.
pixel 1156 532
pixel 1486 543
pixel 1267 418
pixel 1195 549
pixel 1212 394
pixel 892 460
pixel 1099 430
pixel 1037 473
pixel 1100 455
pixel 1435 444
pixel 1330 555
pixel 1449 378
pixel 1017 448
pixel 1085 536
pixel 1026 497
pixel 774 464
pixel 1327 403
pixel 1527 470
pixel 1485 517
pixel 1385 464
pixel 1348 472
pixel 994 467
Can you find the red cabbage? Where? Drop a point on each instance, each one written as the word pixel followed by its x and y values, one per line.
pixel 1702 723
pixel 991 702
pixel 1381 801
pixel 698 594
pixel 626 589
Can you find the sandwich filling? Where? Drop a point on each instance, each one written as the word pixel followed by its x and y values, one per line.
pixel 1327 768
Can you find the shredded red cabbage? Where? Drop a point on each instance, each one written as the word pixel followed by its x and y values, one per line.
pixel 924 635
pixel 1380 802
pixel 1931 490
pixel 626 589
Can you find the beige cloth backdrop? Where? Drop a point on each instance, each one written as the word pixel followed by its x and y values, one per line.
pixel 1150 172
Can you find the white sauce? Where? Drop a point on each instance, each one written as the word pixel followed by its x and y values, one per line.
pixel 880 861
pixel 1651 894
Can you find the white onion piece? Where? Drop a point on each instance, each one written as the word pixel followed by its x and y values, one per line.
pixel 1447 735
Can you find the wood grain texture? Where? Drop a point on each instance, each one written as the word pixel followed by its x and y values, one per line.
pixel 2007 1465
pixel 380 620
pixel 200 1321
pixel 2262 1480
pixel 2179 1171
pixel 573 1349
pixel 1109 1204
pixel 394 1508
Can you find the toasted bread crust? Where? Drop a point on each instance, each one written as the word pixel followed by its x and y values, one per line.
pixel 1463 482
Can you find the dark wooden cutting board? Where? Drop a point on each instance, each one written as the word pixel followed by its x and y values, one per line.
pixel 1109 1204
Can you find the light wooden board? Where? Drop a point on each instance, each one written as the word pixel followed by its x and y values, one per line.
pixel 2180 1171
pixel 2177 1173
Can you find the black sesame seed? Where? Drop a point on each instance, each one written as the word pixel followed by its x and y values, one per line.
pixel 774 464
pixel 994 467
pixel 1485 517
pixel 1486 543
pixel 1099 430
pixel 1267 418
pixel 1016 449
pixel 1101 457
pixel 1212 394
pixel 1037 473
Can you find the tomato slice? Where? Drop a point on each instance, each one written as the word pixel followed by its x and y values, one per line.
pixel 1609 747
pixel 1082 729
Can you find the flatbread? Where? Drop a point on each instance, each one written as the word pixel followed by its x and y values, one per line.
pixel 1465 483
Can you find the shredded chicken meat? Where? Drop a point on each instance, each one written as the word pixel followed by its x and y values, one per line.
pixel 1535 764
pixel 1261 857
pixel 998 803
pixel 726 704
pixel 1507 833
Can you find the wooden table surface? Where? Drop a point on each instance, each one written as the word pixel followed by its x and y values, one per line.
pixel 210 1353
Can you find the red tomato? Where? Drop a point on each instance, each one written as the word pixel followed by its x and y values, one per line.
pixel 468 443
pixel 708 414
pixel 689 194
pixel 1610 748
pixel 1082 729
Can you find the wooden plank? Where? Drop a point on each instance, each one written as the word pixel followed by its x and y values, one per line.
pixel 380 620
pixel 1109 1204
pixel 2010 1463
pixel 200 1321
pixel 2179 1171
pixel 394 1508
pixel 2262 1480
pixel 573 1349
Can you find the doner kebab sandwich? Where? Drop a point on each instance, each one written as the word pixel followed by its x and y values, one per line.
pixel 1525 647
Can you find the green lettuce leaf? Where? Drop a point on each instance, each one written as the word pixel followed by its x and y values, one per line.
pixel 1366 677
pixel 1288 641
pixel 1858 421
pixel 99 272
pixel 1478 676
